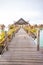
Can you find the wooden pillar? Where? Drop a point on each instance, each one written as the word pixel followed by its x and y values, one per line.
pixel 27 31
pixel 38 39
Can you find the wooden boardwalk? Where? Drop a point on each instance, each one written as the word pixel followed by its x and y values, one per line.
pixel 22 51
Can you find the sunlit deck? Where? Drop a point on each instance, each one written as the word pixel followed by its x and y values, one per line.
pixel 22 51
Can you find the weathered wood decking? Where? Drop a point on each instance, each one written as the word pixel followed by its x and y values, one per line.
pixel 22 51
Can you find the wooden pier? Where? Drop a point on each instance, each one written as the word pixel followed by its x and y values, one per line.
pixel 22 50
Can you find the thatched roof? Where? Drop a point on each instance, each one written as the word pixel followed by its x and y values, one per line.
pixel 21 21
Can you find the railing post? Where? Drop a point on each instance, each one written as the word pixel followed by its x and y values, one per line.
pixel 38 39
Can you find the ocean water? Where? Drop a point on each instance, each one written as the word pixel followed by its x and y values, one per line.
pixel 41 38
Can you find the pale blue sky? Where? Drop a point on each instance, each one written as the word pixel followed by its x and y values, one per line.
pixel 30 10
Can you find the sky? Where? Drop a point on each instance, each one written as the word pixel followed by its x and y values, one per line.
pixel 13 10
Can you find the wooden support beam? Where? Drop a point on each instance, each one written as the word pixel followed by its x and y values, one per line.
pixel 38 39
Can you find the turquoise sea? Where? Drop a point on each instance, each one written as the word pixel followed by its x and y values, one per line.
pixel 41 38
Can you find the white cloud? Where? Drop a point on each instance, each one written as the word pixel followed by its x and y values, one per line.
pixel 8 17
pixel 11 11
